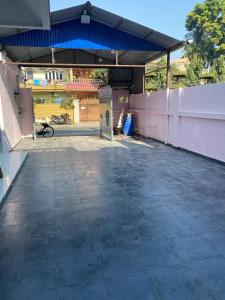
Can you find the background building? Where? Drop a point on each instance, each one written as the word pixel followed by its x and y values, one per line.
pixel 53 87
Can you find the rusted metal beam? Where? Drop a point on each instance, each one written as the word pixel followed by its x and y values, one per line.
pixel 168 71
pixel 117 57
pixel 32 64
pixel 156 70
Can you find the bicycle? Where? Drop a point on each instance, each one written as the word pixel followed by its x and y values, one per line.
pixel 46 130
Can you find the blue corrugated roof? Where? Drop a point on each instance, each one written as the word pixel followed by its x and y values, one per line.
pixel 74 35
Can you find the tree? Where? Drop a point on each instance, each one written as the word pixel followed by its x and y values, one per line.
pixel 206 26
pixel 194 70
pixel 219 66
pixel 101 74
pixel 156 76
pixel 67 104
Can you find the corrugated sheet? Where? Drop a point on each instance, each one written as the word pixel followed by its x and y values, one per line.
pixel 74 35
pixel 113 20
pixel 121 75
pixel 110 32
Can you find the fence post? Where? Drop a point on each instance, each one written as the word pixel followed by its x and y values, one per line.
pixel 167 98
pixel 167 115
pixel 176 117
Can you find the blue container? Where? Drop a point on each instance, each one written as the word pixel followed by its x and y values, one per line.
pixel 128 125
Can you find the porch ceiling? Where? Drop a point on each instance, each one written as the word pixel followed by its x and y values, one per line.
pixel 106 32
pixel 24 14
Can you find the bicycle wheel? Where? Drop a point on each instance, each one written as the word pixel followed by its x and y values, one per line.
pixel 48 132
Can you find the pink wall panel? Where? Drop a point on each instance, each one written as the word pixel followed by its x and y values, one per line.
pixel 149 111
pixel 9 115
pixel 27 113
pixel 190 118
pixel 117 107
pixel 15 111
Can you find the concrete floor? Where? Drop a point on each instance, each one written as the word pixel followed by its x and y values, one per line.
pixel 132 220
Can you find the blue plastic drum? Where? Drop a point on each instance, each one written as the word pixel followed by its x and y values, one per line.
pixel 128 125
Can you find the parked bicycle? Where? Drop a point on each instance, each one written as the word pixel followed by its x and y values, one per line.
pixel 46 130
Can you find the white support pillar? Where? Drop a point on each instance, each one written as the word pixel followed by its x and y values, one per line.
pixel 76 111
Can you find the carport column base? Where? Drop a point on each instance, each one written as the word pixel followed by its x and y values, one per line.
pixel 1 173
pixel 76 111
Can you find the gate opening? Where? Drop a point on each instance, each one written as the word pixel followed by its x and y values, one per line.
pixel 66 98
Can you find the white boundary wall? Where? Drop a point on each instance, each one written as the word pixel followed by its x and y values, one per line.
pixel 13 123
pixel 190 118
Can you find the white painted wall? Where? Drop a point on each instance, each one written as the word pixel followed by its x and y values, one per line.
pixel 150 112
pixel 14 123
pixel 189 118
pixel 27 115
pixel 9 114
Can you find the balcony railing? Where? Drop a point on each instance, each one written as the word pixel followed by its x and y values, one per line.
pixel 45 82
pixel 80 80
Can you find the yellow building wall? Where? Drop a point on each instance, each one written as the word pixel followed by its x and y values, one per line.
pixel 45 111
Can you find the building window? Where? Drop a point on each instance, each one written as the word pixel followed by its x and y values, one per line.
pixel 54 75
pixel 29 74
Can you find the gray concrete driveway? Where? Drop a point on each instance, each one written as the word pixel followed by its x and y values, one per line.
pixel 92 219
pixel 82 129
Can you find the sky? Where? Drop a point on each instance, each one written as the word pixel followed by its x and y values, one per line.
pixel 166 16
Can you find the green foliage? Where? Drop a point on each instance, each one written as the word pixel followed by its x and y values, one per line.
pixel 155 76
pixel 67 104
pixel 38 101
pixel 101 74
pixel 206 26
pixel 219 66
pixel 194 70
pixel 177 77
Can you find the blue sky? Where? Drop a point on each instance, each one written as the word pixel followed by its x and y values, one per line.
pixel 166 16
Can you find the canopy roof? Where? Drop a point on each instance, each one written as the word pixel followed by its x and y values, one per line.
pixel 24 14
pixel 106 32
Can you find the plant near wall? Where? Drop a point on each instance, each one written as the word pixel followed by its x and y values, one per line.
pixel 178 77
pixel 67 104
pixel 194 70
pixel 156 76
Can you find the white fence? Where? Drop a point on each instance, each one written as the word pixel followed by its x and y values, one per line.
pixel 190 118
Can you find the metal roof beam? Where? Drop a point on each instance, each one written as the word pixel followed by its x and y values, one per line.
pixel 148 35
pixel 32 64
pixel 119 23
